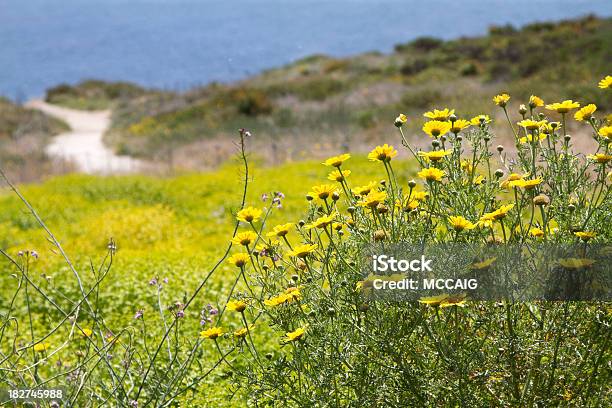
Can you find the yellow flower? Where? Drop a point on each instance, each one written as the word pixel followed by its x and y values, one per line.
pixel 459 223
pixel 407 204
pixel 466 166
pixel 242 333
pixel 585 235
pixel 400 120
pixel 337 161
pixel 365 190
pixel 373 199
pixel 530 124
pixel 458 300
pixel 431 174
pixel 483 264
pixel 211 333
pixel 498 214
pixel 296 335
pixel 236 306
pixel 458 125
pixel 86 332
pixel 436 155
pixel 526 184
pixel 301 251
pixel 420 195
pixel 433 300
pixel 606 82
pixel 563 107
pixel 479 179
pixel 382 153
pixel 576 263
pixel 511 177
pixel 548 128
pixel 239 259
pixel 535 101
pixel 501 100
pixel 585 113
pixel 280 230
pixel 321 222
pixel 476 120
pixel 338 176
pixel 244 238
pixel 529 138
pixel 605 132
pixel 600 158
pixel 435 128
pixel 323 191
pixel 249 214
pixel 536 232
pixel 439 115
pixel 40 347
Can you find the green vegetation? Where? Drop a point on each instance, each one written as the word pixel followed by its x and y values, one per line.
pixel 24 133
pixel 92 94
pixel 348 101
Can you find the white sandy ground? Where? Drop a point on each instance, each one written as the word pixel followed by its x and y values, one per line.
pixel 83 144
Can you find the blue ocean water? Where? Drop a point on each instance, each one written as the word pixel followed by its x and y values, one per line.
pixel 175 44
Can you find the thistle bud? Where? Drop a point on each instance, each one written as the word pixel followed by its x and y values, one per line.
pixel 541 199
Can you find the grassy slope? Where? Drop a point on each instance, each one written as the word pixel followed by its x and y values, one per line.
pixel 350 102
pixel 173 228
pixel 24 134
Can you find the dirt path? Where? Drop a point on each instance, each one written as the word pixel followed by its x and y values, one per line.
pixel 83 143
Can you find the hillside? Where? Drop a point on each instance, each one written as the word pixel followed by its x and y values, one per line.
pixel 322 103
pixel 24 134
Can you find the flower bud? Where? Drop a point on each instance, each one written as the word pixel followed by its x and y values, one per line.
pixel 499 173
pixel 459 138
pixel 364 307
pixel 309 197
pixel 541 116
pixel 567 138
pixel 383 182
pixel 435 143
pixel 554 125
pixel 443 138
pixel 301 223
pixel 351 209
pixel 452 117
pixel 486 138
pixel 331 311
pixel 400 120
pixel 571 207
pixel 522 109
pixel 335 196
pixel 500 148
pixel 541 199
pixel 269 356
pixel 412 184
pixel 382 209
pixel 295 278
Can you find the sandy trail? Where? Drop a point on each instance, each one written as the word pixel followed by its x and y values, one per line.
pixel 83 144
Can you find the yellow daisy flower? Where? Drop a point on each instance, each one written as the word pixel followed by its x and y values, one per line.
pixel 526 184
pixel 296 335
pixel 242 333
pixel 336 161
pixel 605 132
pixel 244 238
pixel 536 232
pixel 382 153
pixel 301 251
pixel 585 113
pixel 501 100
pixel 600 158
pixel 212 333
pixel 576 263
pixel 529 138
pixel 459 223
pixel 439 115
pixel 605 82
pixel 458 125
pixel 476 120
pixel 238 260
pixel 40 347
pixel 338 176
pixel 535 101
pixel 436 128
pixel 498 214
pixel 373 199
pixel 280 230
pixel 321 222
pixel 323 191
pixel 400 120
pixel 563 107
pixel 431 174
pixel 459 300
pixel 433 300
pixel 86 332
pixel 585 235
pixel 249 214
pixel 436 155
pixel 236 306
pixel 530 124
pixel 365 190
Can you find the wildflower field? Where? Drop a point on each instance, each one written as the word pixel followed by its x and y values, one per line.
pixel 246 286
